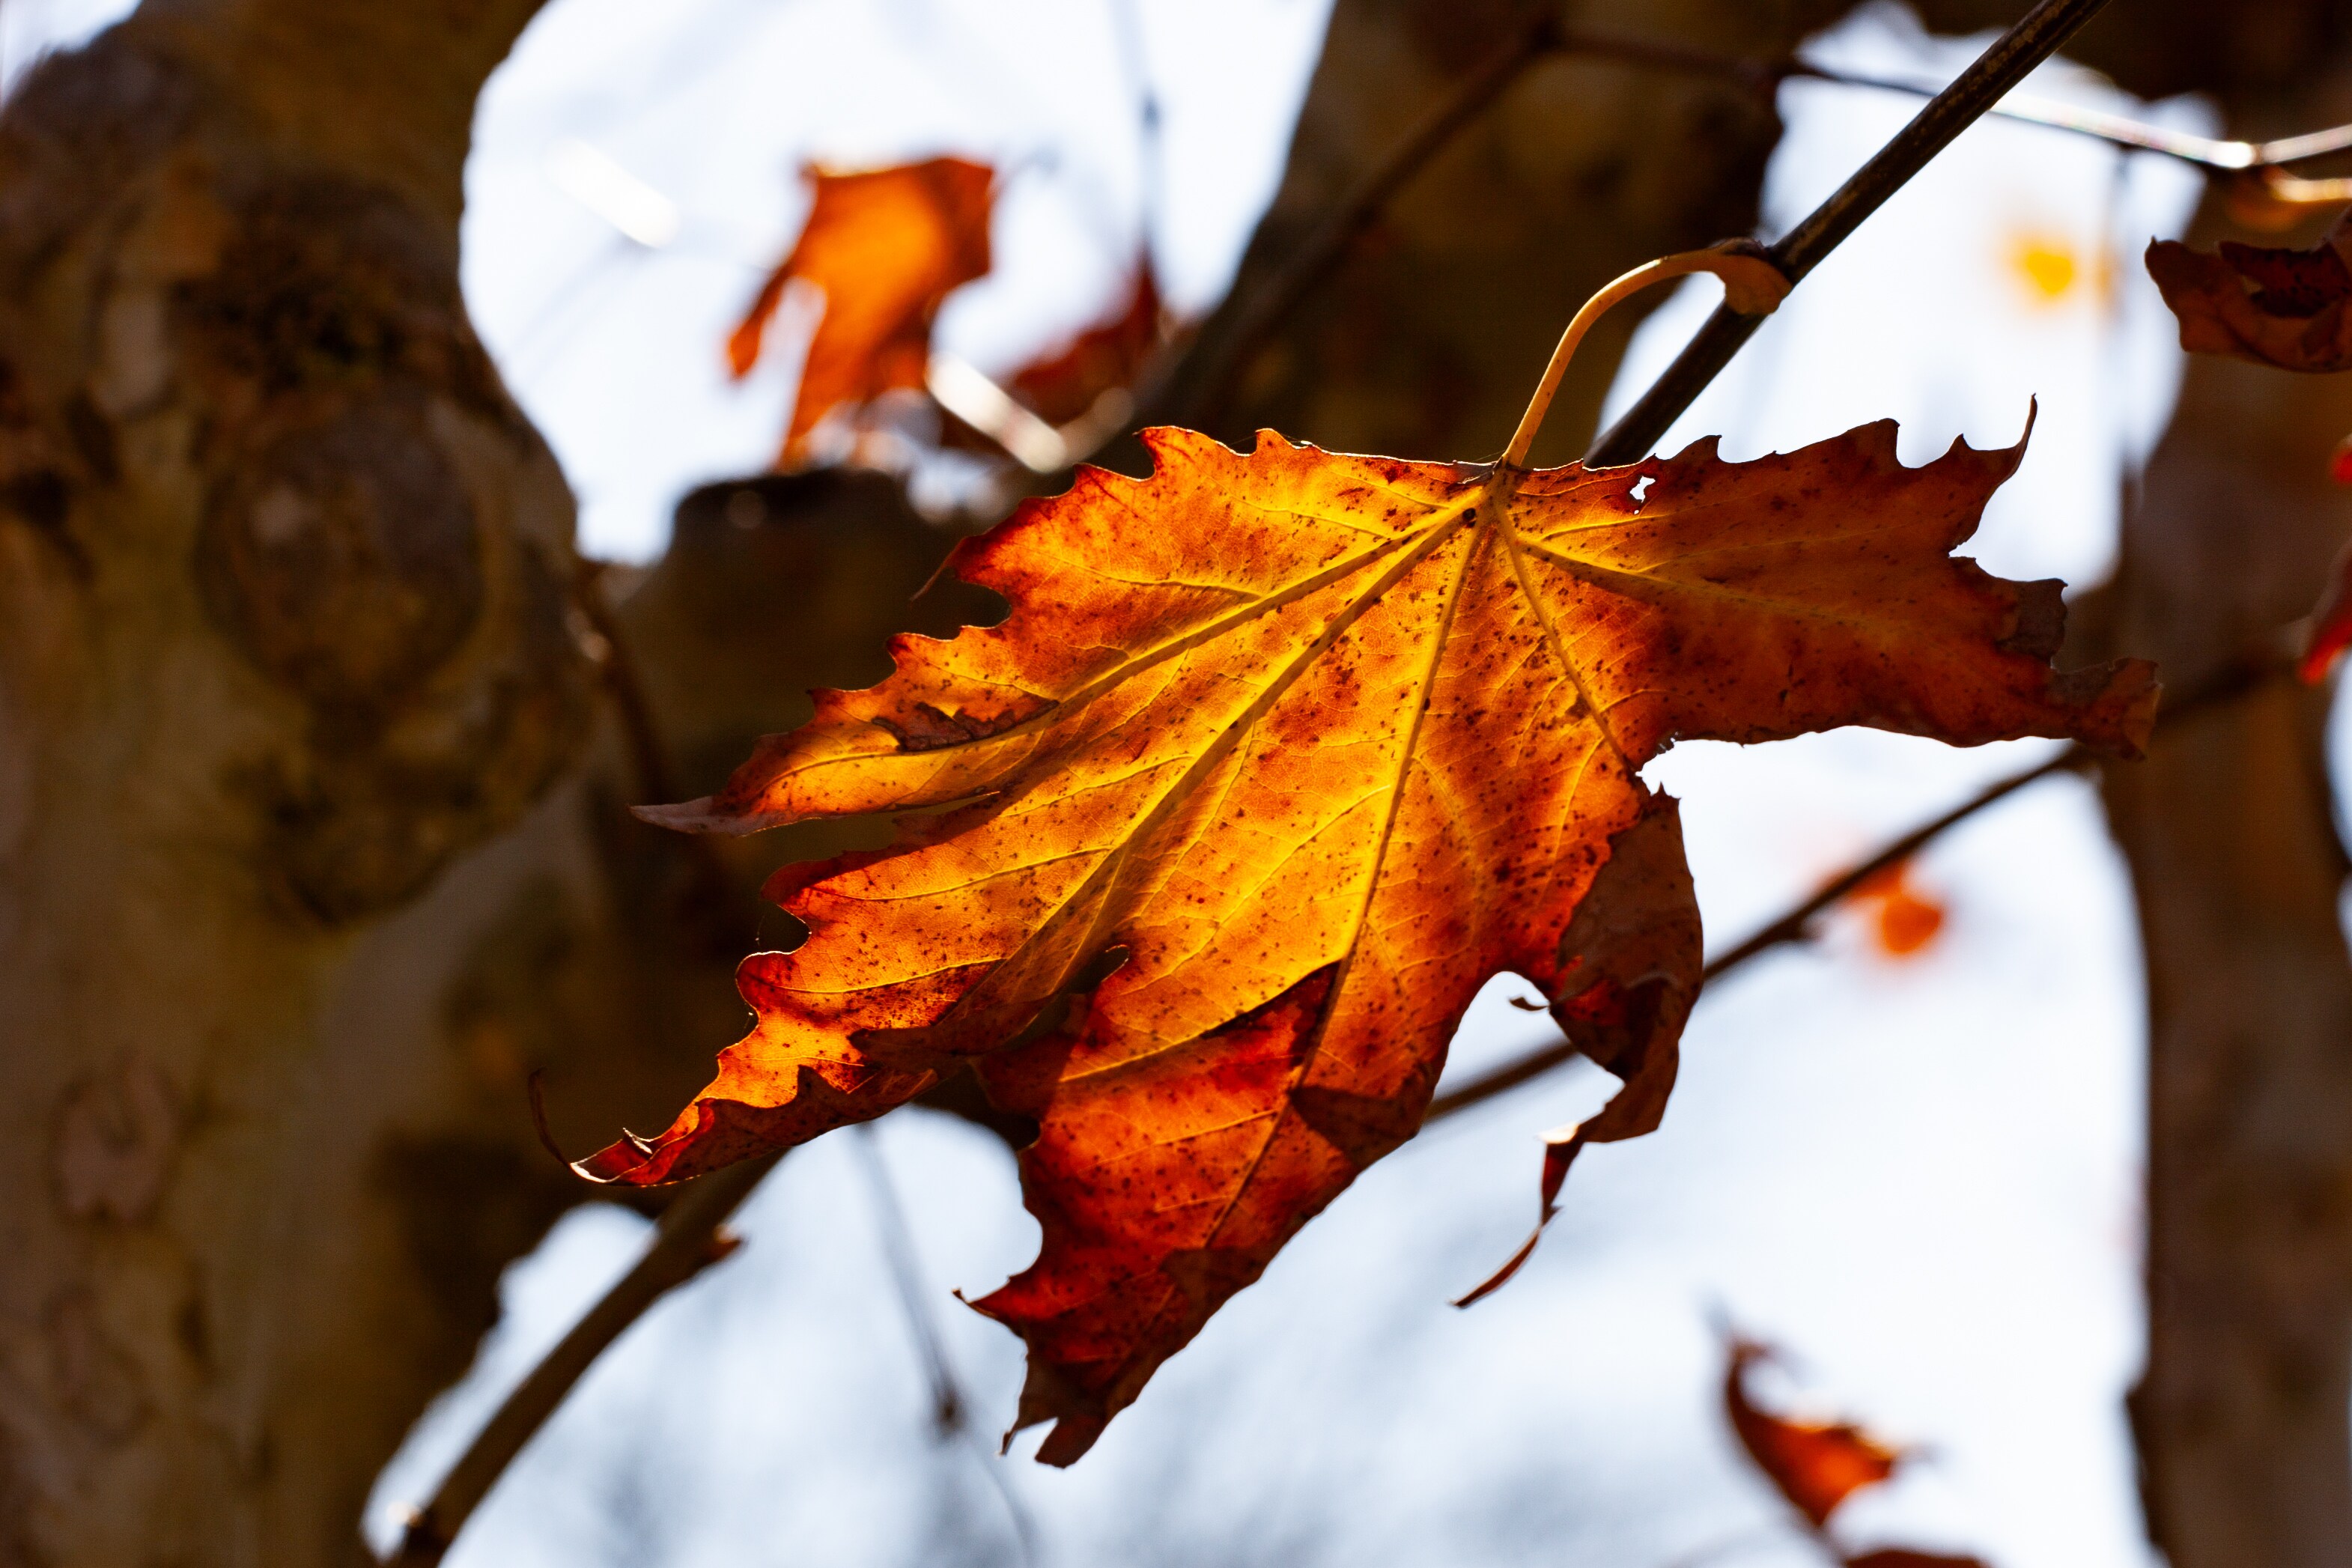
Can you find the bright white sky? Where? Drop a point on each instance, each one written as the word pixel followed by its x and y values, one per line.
pixel 1921 1176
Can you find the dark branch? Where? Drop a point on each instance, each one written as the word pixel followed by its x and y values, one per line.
pixel 1971 95
pixel 690 1236
pixel 1194 387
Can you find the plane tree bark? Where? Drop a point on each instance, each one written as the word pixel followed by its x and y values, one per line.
pixel 283 644
pixel 2231 834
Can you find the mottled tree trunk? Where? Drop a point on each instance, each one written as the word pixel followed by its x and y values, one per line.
pixel 283 638
pixel 2244 1415
pixel 2243 1412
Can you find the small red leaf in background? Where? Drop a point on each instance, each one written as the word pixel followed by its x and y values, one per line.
pixel 1064 385
pixel 1816 1467
pixel 1903 921
pixel 2339 462
pixel 2292 309
pixel 885 247
pixel 2331 622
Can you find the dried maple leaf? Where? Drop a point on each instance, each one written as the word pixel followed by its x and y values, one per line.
pixel 1815 1467
pixel 1278 757
pixel 2283 308
pixel 885 247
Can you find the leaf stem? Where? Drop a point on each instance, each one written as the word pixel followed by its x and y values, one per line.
pixel 1752 285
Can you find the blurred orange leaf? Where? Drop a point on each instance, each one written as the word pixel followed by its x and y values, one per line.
pixel 1903 921
pixel 1278 757
pixel 885 247
pixel 1815 1467
pixel 1897 1557
pixel 2275 307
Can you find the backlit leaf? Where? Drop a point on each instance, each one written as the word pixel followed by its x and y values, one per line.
pixel 885 247
pixel 2292 309
pixel 1278 757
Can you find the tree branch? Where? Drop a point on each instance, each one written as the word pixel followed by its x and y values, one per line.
pixel 1970 96
pixel 689 1236
pixel 1196 386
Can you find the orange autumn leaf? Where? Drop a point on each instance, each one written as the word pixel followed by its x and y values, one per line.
pixel 886 248
pixel 1278 757
pixel 1901 1557
pixel 1815 1466
pixel 2292 309
pixel 1903 921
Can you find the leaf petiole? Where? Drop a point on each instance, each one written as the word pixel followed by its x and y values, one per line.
pixel 1752 286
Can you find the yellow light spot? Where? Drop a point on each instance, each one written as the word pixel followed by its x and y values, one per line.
pixel 2048 265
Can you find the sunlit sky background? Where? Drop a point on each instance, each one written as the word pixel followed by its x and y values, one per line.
pixel 1920 1175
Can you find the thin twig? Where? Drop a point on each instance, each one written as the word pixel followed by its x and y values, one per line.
pixel 1195 385
pixel 1797 923
pixel 2116 130
pixel 1970 96
pixel 690 1236
pixel 950 1412
pixel 624 683
pixel 947 1408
